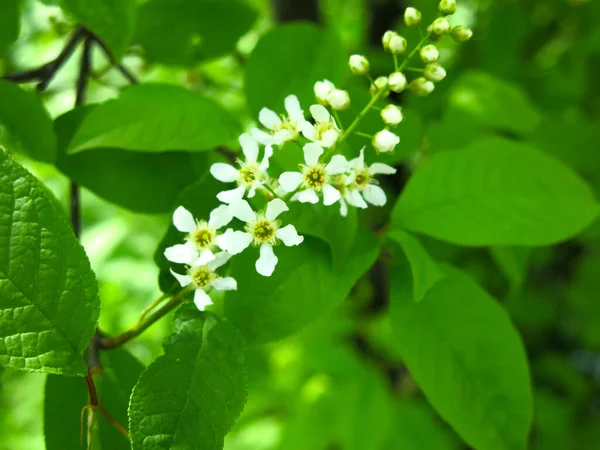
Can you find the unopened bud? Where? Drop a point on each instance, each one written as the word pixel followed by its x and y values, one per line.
pixel 322 90
pixel 429 54
pixel 338 99
pixel 359 65
pixel 461 33
pixel 379 84
pixel 397 45
pixel 422 87
pixel 384 141
pixel 392 115
pixel 434 72
pixel 397 82
pixel 440 26
pixel 412 17
pixel 447 7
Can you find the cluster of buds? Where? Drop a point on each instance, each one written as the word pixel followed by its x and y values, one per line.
pixel 328 95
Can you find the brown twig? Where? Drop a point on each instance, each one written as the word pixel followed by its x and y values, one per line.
pixel 124 71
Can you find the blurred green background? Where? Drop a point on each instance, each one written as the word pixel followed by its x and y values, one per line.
pixel 340 384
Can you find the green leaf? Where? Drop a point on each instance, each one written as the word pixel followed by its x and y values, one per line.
pixel 497 192
pixel 302 54
pixel 157 118
pixel 513 261
pixel 303 287
pixel 425 271
pixel 462 350
pixel 494 103
pixel 112 21
pixel 145 182
pixel 48 293
pixel 9 24
pixel 191 396
pixel 26 120
pixel 65 398
pixel 198 29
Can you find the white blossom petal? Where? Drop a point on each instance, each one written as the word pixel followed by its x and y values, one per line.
pixel 202 299
pixel 343 207
pixel 292 106
pixel 382 169
pixel 242 210
pixel 265 265
pixel 252 190
pixel 320 113
pixel 262 137
pixel 249 147
pixel 337 165
pixel 219 217
pixel 181 254
pixel 308 130
pixel 205 257
pixel 289 236
pixel 282 136
pixel 183 220
pixel 183 280
pixel 329 138
pixel 274 208
pixel 224 172
pixel 264 165
pixel 308 196
pixel 232 195
pixel 290 181
pixel 375 195
pixel 355 199
pixel 224 284
pixel 234 242
pixel 312 153
pixel 220 259
pixel 330 195
pixel 269 118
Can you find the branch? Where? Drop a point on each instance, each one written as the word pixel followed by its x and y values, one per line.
pixel 124 71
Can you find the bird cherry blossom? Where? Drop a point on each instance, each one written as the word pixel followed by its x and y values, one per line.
pixel 314 177
pixel 282 129
pixel 325 131
pixel 250 176
pixel 201 274
pixel 262 230
pixel 362 180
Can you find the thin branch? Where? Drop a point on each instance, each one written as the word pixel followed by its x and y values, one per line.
pixel 124 71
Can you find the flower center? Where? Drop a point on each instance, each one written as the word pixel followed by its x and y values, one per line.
pixel 263 231
pixel 249 174
pixel 362 178
pixel 202 276
pixel 286 124
pixel 321 128
pixel 315 177
pixel 203 236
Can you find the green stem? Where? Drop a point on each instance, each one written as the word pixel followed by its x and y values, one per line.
pixel 362 114
pixel 413 52
pixel 360 133
pixel 414 69
pixel 395 62
pixel 337 119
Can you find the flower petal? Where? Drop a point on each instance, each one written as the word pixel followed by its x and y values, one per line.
pixel 292 106
pixel 224 172
pixel 181 254
pixel 234 242
pixel 355 199
pixel 265 265
pixel 261 137
pixel 220 259
pixel 337 165
pixel 289 236
pixel 202 299
pixel 269 118
pixel 343 207
pixel 375 195
pixel 205 257
pixel 232 195
pixel 320 113
pixel 329 138
pixel 242 210
pixel 183 220
pixel 282 136
pixel 308 130
pixel 330 195
pixel 264 165
pixel 183 280
pixel 312 153
pixel 382 169
pixel 249 147
pixel 224 284
pixel 308 196
pixel 274 208
pixel 290 181
pixel 219 217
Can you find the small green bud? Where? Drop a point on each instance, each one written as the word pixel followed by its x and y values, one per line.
pixel 421 87
pixel 380 83
pixel 397 45
pixel 397 82
pixel 434 72
pixel 440 26
pixel 359 65
pixel 429 54
pixel 392 115
pixel 461 33
pixel 447 7
pixel 386 38
pixel 412 17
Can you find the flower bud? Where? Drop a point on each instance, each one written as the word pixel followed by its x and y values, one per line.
pixel 434 72
pixel 359 65
pixel 412 17
pixel 397 82
pixel 386 38
pixel 422 87
pixel 322 90
pixel 384 141
pixel 447 7
pixel 397 45
pixel 440 26
pixel 380 83
pixel 429 54
pixel 461 33
pixel 338 99
pixel 392 115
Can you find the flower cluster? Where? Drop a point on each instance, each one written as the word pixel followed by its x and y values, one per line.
pixel 325 175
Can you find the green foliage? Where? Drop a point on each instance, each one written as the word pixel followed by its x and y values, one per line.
pixel 190 396
pixel 49 299
pixel 9 24
pixel 513 261
pixel 23 116
pixel 196 29
pixel 157 118
pixel 496 192
pixel 463 351
pixel 302 54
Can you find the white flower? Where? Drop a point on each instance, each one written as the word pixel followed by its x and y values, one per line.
pixel 359 65
pixel 322 90
pixel 201 274
pixel 397 81
pixel 434 72
pixel 391 115
pixel 362 180
pixel 315 177
pixel 261 229
pixel 338 99
pixel 429 54
pixel 325 131
pixel 384 141
pixel 350 195
pixel 282 129
pixel 202 236
pixel 251 174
